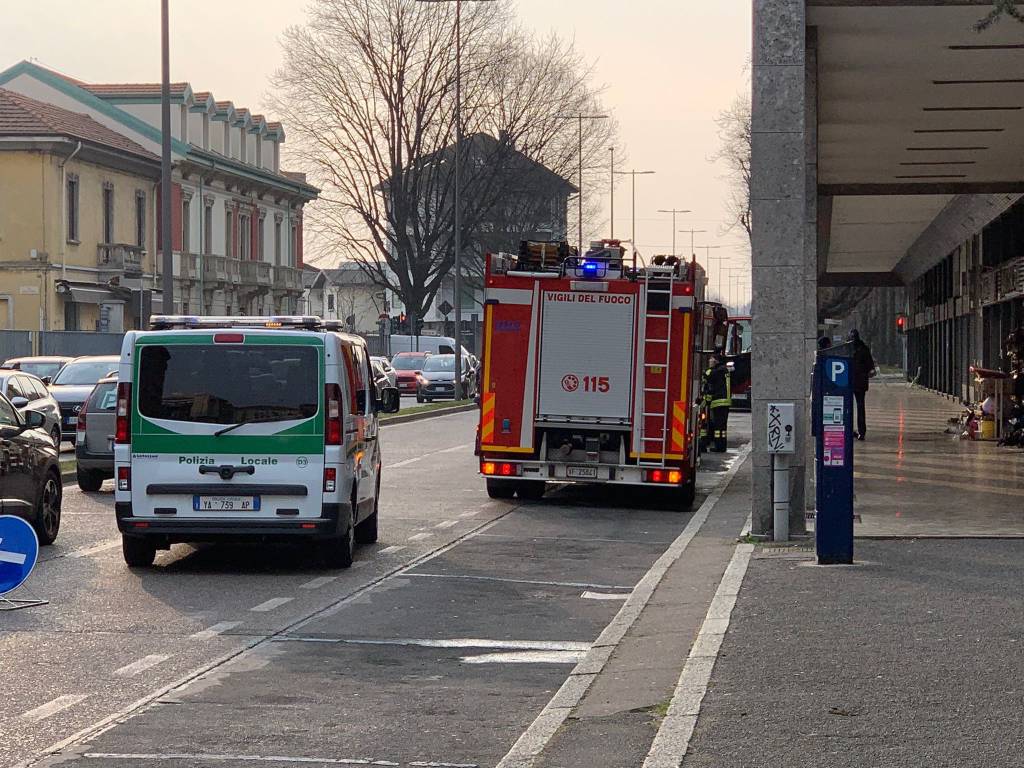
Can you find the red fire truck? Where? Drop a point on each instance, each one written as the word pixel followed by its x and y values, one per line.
pixel 591 368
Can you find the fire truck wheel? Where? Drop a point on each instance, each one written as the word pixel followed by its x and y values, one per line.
pixel 500 489
pixel 531 490
pixel 684 496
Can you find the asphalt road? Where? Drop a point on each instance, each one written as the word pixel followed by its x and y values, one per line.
pixel 438 648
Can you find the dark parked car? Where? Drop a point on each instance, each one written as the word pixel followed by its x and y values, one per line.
pixel 74 383
pixel 30 483
pixel 28 392
pixel 45 367
pixel 94 436
pixel 438 379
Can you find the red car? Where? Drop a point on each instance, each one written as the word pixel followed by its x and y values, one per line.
pixel 408 366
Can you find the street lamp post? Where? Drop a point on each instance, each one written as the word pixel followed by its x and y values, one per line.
pixel 457 266
pixel 581 118
pixel 692 232
pixel 673 211
pixel 166 242
pixel 611 227
pixel 708 257
pixel 633 174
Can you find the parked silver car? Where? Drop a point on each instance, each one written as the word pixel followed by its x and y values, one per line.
pixel 28 393
pixel 383 365
pixel 94 436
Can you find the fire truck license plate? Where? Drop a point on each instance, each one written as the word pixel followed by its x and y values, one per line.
pixel 583 473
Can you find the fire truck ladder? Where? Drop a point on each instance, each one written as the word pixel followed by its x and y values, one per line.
pixel 658 281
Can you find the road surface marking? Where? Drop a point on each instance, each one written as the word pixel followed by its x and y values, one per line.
pixel 53 707
pixel 423 456
pixel 137 667
pixel 444 765
pixel 320 581
pixel 676 730
pixel 573 584
pixel 256 642
pixel 215 630
pixel 447 524
pixel 271 604
pixel 102 547
pixel 459 642
pixel 536 737
pixel 420 536
pixel 392 549
pixel 471 513
pixel 526 657
pixel 201 757
pixel 588 595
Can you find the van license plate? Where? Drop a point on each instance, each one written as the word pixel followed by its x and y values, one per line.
pixel 226 503
pixel 582 473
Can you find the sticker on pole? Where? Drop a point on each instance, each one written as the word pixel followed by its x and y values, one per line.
pixel 19 549
pixel 832 407
pixel 781 426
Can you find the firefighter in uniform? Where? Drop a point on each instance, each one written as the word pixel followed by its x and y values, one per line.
pixel 716 395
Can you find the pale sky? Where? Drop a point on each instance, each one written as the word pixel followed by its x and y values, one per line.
pixel 670 66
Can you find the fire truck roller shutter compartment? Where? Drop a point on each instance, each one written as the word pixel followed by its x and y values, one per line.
pixel 586 367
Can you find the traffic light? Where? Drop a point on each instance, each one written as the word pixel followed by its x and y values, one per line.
pixel 901 323
pixel 419 326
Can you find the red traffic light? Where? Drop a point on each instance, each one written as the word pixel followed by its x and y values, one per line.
pixel 901 323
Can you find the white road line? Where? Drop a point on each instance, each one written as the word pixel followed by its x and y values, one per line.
pixel 420 536
pixel 140 666
pixel 572 584
pixel 673 737
pixel 423 456
pixel 447 524
pixel 51 708
pixel 320 581
pixel 470 513
pixel 444 765
pixel 201 757
pixel 103 547
pixel 533 741
pixel 526 657
pixel 392 549
pixel 215 630
pixel 458 642
pixel 588 595
pixel 271 604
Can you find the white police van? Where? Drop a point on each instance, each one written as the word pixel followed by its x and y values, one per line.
pixel 246 428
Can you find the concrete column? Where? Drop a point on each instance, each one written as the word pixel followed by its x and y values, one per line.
pixel 784 289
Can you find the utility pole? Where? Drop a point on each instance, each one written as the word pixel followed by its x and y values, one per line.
pixel 633 174
pixel 673 211
pixel 166 242
pixel 611 227
pixel 719 259
pixel 580 118
pixel 457 266
pixel 693 248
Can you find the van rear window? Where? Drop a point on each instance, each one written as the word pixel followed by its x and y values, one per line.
pixel 227 384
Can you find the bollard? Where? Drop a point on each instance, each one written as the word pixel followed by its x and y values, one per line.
pixel 780 506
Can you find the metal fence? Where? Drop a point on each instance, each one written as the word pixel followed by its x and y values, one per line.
pixel 66 343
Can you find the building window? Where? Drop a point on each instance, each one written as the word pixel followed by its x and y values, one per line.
pixel 242 144
pixel 208 228
pixel 277 243
pixel 261 237
pixel 72 193
pixel 244 238
pixel 228 221
pixel 294 246
pixel 186 226
pixel 70 316
pixel 108 213
pixel 140 218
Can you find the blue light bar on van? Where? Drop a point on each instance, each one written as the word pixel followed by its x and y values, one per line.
pixel 165 322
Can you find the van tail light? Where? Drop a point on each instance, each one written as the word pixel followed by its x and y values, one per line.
pixel 330 479
pixel 122 425
pixel 124 478
pixel 332 428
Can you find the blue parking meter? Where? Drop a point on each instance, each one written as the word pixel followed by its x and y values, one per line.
pixel 833 429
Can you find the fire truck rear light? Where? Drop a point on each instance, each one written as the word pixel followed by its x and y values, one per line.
pixel 688 289
pixel 228 338
pixel 489 468
pixel 675 477
pixel 501 469
pixel 330 479
pixel 665 476
pixel 124 478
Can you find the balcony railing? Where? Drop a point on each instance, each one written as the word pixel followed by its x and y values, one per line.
pixel 188 266
pixel 288 279
pixel 120 257
pixel 215 269
pixel 256 273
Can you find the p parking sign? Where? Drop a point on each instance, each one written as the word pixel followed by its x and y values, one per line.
pixel 838 371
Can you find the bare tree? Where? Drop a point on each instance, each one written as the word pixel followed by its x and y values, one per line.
pixel 367 90
pixel 734 133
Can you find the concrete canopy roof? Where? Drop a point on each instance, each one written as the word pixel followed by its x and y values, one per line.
pixel 915 108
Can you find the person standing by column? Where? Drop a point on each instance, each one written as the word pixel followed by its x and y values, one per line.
pixel 863 371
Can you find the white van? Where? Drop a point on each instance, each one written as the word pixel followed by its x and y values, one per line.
pixel 435 345
pixel 246 428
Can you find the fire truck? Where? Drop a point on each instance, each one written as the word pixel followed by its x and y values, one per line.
pixel 591 370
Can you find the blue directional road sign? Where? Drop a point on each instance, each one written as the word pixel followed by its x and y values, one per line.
pixel 19 548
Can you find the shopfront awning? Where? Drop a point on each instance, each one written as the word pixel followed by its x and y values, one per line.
pixel 85 293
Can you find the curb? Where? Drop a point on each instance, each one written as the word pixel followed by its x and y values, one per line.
pixel 428 415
